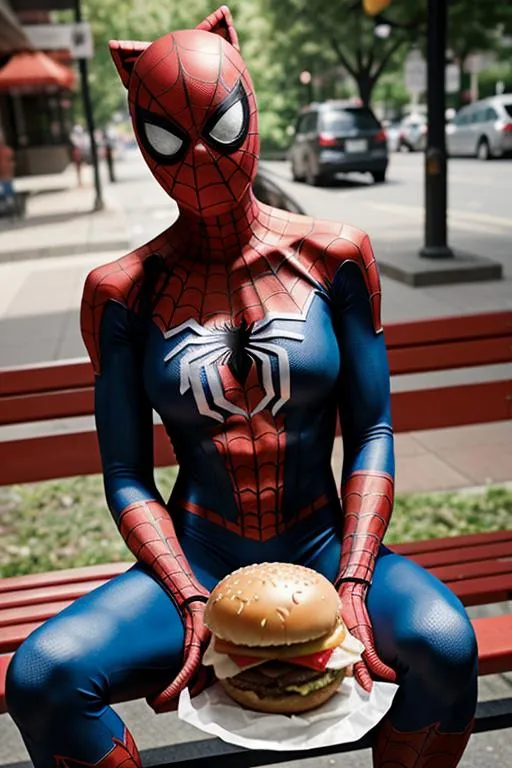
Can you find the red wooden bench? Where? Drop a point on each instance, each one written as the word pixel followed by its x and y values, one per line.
pixel 478 568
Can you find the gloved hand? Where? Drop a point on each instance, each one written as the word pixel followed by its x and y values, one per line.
pixel 355 615
pixel 192 675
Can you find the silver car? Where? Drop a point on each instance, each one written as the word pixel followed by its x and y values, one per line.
pixel 482 129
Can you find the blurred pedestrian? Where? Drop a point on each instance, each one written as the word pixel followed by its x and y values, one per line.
pixel 77 139
pixel 109 144
pixel 7 191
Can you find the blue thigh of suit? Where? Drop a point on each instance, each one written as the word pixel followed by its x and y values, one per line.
pixel 123 640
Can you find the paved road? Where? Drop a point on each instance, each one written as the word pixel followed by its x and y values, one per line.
pixel 480 197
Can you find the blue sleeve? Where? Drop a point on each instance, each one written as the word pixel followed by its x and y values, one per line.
pixel 123 413
pixel 364 397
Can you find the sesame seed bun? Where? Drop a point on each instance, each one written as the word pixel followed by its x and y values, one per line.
pixel 273 604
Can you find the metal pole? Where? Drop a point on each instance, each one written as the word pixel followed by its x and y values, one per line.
pixel 89 118
pixel 435 157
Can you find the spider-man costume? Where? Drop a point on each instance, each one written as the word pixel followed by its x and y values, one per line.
pixel 247 329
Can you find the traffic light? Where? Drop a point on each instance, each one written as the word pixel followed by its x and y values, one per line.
pixel 374 7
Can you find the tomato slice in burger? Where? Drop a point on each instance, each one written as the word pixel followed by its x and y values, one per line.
pixel 316 661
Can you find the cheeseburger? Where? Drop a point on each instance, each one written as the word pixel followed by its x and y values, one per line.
pixel 278 641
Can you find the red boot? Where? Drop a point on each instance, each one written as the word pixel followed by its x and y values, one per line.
pixel 124 753
pixel 427 748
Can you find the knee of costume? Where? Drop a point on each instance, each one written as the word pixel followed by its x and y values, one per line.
pixel 439 649
pixel 46 679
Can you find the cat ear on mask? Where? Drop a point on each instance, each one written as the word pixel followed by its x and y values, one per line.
pixel 220 22
pixel 125 54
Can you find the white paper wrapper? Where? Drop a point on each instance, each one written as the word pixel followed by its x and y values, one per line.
pixel 346 717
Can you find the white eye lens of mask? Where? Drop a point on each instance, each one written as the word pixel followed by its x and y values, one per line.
pixel 164 142
pixel 229 126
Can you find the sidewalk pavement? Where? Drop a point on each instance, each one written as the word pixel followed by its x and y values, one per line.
pixel 60 221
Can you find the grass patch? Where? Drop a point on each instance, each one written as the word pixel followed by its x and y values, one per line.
pixel 65 523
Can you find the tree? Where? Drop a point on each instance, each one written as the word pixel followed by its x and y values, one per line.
pixel 475 27
pixel 339 32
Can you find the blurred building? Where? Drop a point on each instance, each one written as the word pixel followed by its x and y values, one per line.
pixel 35 89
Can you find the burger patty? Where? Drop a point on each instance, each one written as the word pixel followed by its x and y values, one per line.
pixel 274 677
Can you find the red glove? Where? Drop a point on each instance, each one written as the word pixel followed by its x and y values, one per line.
pixel 355 616
pixel 192 675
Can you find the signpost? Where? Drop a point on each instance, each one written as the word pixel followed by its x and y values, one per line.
pixel 452 78
pixel 436 246
pixel 76 38
pixel 86 95
pixel 415 73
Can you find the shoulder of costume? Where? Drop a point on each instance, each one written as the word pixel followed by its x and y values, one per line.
pixel 330 246
pixel 344 244
pixel 119 281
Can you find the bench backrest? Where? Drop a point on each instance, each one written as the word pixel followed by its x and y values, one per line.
pixel 64 390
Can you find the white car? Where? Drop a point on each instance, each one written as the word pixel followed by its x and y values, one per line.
pixel 412 134
pixel 482 129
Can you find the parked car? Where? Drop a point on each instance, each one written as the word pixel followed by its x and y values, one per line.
pixel 337 137
pixel 393 134
pixel 412 134
pixel 482 129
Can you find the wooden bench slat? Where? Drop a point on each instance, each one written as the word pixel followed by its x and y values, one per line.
pixel 442 357
pixel 65 576
pixel 494 637
pixel 480 552
pixel 9 617
pixel 462 571
pixel 490 589
pixel 12 637
pixel 25 597
pixel 472 591
pixel 443 329
pixel 66 403
pixel 451 406
pixel 450 542
pixel 70 454
pixel 5 660
pixel 46 377
pixel 77 373
pixel 108 570
pixel 65 455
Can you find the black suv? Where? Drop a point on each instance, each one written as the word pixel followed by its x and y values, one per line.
pixel 337 137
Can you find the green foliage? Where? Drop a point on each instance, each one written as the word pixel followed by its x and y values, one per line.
pixel 333 39
pixel 475 27
pixel 65 523
pixel 432 516
pixel 130 20
pixel 61 524
pixel 337 36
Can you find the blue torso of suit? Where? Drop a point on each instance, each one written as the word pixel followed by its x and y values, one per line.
pixel 261 476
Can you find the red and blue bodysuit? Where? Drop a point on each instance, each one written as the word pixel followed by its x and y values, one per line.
pixel 248 330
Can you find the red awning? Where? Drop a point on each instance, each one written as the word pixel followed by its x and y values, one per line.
pixel 34 70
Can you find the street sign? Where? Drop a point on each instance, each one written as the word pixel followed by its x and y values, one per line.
pixel 76 38
pixel 477 62
pixel 415 72
pixel 452 78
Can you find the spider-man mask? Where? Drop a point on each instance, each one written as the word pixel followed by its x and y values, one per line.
pixel 194 113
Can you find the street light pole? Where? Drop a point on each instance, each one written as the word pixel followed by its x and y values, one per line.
pixel 89 117
pixel 436 246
